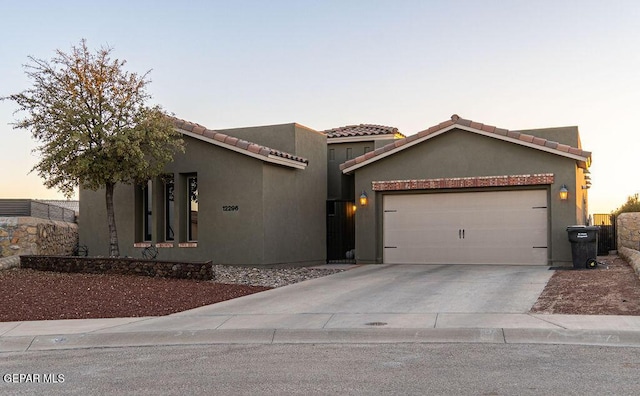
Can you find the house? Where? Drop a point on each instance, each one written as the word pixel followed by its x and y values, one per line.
pixel 247 196
pixel 460 192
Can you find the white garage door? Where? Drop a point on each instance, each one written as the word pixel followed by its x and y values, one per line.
pixel 499 227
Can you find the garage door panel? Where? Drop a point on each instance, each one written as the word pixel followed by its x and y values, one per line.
pixel 505 227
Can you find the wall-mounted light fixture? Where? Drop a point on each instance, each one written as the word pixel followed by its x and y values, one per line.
pixel 564 193
pixel 364 199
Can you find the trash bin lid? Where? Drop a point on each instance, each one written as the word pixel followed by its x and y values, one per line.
pixel 583 228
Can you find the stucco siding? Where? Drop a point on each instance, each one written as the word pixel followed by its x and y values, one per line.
pixel 224 178
pixel 340 186
pixel 294 205
pixel 92 221
pixel 280 137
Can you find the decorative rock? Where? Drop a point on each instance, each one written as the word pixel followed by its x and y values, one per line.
pixel 632 257
pixel 628 230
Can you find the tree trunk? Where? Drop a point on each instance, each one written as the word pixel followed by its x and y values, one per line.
pixel 114 250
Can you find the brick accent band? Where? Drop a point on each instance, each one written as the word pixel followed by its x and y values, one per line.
pixel 142 245
pixel 188 244
pixel 463 182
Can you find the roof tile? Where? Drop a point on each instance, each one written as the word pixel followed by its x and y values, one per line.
pixel 199 129
pixel 513 134
pixel 539 141
pixel 489 128
pixel 361 130
pixel 221 137
pixel 501 131
pixel 254 148
pixel 233 141
pixel 526 138
pixel 370 154
pixel 464 122
pixel 187 126
pixel 476 125
pixel 242 144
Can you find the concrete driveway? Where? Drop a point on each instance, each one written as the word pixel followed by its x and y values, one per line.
pixel 401 296
pixel 402 289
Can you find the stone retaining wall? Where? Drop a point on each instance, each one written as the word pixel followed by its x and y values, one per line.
pixel 628 230
pixel 632 257
pixel 121 266
pixel 30 235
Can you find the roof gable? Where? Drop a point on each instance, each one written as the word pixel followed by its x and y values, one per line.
pixel 241 146
pixel 582 157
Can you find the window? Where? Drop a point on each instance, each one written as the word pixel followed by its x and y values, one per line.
pixel 169 199
pixel 367 149
pixel 332 154
pixel 147 204
pixel 349 153
pixel 192 203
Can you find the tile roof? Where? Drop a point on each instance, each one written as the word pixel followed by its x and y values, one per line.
pixel 239 145
pixel 362 130
pixel 584 157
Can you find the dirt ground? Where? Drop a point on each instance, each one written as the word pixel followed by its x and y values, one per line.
pixel 27 294
pixel 34 295
pixel 601 291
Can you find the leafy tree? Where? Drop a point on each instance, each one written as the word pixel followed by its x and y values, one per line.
pixel 632 205
pixel 93 126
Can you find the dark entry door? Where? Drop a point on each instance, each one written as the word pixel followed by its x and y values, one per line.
pixel 341 233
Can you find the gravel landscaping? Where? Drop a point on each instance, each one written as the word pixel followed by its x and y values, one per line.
pixel 38 295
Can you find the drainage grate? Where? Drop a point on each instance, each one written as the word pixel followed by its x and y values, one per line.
pixel 376 324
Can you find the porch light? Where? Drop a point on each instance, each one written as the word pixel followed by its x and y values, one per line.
pixel 364 198
pixel 564 193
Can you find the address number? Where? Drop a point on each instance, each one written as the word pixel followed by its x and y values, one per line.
pixel 230 208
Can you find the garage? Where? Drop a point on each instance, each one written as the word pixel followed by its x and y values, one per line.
pixel 494 227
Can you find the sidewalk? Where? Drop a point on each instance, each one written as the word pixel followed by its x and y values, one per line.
pixel 376 304
pixel 182 329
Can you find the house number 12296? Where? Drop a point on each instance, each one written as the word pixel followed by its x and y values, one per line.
pixel 230 208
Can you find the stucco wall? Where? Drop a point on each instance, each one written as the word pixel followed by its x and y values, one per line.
pixel 30 235
pixel 224 178
pixel 294 205
pixel 465 154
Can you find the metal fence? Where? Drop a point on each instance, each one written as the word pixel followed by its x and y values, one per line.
pixel 32 208
pixel 607 235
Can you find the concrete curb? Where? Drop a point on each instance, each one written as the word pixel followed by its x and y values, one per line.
pixel 610 338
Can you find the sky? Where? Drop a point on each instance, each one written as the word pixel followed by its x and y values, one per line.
pixel 323 64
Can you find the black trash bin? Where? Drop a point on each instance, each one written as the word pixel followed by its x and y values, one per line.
pixel 584 246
